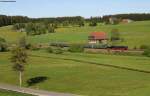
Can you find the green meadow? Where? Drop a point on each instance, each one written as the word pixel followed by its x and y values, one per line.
pixel 83 73
pixel 79 77
pixel 134 34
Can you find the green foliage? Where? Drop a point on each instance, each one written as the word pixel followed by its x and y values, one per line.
pixel 51 29
pixel 2 40
pixel 30 29
pixel 93 24
pixel 76 48
pixel 115 35
pixel 22 42
pixel 39 28
pixel 94 19
pixel 18 26
pixel 3 45
pixel 132 16
pixel 66 23
pixel 81 24
pixel 147 52
pixel 28 46
pixel 58 50
pixel 34 47
pixel 49 50
pixel 9 20
pixel 144 47
pixel 19 59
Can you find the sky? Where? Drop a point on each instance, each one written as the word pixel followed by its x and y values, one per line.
pixel 85 8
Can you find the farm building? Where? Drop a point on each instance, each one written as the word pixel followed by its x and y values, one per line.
pixel 112 20
pixel 98 38
pixel 126 21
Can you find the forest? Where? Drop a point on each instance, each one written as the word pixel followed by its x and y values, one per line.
pixel 76 20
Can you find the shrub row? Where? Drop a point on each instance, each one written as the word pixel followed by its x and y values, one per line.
pixel 57 50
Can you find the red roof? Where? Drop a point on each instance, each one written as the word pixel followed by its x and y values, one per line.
pixel 98 36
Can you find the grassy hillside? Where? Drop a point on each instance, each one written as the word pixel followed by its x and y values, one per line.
pixel 83 78
pixel 135 34
pixel 10 35
pixel 83 73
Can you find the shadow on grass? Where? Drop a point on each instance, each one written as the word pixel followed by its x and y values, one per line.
pixel 36 80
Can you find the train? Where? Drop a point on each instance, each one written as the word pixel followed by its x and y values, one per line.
pixel 120 48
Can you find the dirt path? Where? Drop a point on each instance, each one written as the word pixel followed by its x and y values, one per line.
pixel 32 91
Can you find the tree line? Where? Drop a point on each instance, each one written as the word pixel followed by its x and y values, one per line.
pixel 133 16
pixel 64 21
pixel 74 21
pixel 10 20
pixel 35 28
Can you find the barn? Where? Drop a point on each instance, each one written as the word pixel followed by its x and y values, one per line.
pixel 98 38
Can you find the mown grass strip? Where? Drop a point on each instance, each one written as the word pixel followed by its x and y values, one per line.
pixel 99 64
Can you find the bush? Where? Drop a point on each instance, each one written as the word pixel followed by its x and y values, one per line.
pixel 28 46
pixel 49 50
pixel 135 48
pixel 143 47
pixel 3 45
pixel 76 48
pixel 93 24
pixel 34 47
pixel 3 48
pixel 58 51
pixel 147 52
pixel 59 44
pixel 115 35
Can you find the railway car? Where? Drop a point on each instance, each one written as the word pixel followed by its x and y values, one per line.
pixel 120 48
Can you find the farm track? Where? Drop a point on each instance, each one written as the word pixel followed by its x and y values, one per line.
pixel 32 91
pixel 98 64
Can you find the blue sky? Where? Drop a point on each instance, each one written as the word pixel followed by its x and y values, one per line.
pixel 86 8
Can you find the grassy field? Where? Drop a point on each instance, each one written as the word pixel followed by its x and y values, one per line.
pixel 82 73
pixel 10 93
pixel 83 78
pixel 134 34
pixel 10 35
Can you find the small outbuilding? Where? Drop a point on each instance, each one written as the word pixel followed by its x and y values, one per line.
pixel 126 21
pixel 98 38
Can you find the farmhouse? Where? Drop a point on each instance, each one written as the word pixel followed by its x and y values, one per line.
pixel 98 38
pixel 126 21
